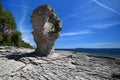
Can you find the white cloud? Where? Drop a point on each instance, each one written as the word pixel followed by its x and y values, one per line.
pixel 26 33
pixel 71 39
pixel 71 16
pixel 76 33
pixel 104 6
pixel 101 45
pixel 106 45
pixel 11 4
pixel 104 26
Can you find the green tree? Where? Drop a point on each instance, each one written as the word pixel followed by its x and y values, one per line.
pixel 8 34
pixel 11 24
pixel 1 37
pixel 7 21
pixel 2 17
pixel 1 8
pixel 16 38
pixel 25 44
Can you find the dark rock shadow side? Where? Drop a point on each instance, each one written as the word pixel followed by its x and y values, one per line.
pixel 18 56
pixel 116 76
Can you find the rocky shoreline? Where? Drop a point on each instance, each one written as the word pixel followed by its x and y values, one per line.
pixel 19 64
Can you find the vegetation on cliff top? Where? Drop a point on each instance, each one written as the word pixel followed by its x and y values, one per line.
pixel 9 36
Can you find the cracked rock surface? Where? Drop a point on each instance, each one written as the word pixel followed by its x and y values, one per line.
pixel 63 65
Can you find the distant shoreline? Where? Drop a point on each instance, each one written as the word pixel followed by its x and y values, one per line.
pixel 102 52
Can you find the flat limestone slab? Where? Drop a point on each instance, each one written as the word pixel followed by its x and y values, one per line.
pixel 63 65
pixel 9 66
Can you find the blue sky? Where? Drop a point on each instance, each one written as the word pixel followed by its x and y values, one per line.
pixel 86 23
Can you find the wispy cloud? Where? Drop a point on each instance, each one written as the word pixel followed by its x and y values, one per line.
pixel 105 45
pixel 76 33
pixel 104 6
pixel 11 4
pixel 26 33
pixel 104 26
pixel 77 11
pixel 101 45
pixel 63 39
pixel 71 16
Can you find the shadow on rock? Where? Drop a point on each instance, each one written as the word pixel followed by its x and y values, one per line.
pixel 18 56
pixel 116 76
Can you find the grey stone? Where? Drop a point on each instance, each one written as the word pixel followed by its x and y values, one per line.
pixel 9 66
pixel 46 29
pixel 63 65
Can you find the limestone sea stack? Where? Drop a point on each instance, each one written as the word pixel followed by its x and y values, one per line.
pixel 46 29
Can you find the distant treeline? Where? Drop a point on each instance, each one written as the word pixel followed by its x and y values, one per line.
pixel 9 36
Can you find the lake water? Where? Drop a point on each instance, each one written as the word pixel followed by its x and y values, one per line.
pixel 108 52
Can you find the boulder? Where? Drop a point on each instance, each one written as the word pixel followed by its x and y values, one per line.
pixel 46 29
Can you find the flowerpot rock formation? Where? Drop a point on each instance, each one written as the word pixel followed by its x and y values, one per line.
pixel 46 29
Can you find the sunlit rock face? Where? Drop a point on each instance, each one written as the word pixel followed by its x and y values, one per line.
pixel 46 29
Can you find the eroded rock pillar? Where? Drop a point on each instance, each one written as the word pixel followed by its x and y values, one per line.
pixel 46 29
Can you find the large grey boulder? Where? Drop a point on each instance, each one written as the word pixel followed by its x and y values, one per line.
pixel 46 29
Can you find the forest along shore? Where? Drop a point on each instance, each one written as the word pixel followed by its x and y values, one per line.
pixel 16 65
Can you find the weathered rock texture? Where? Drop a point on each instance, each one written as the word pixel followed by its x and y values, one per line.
pixel 61 66
pixel 46 26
